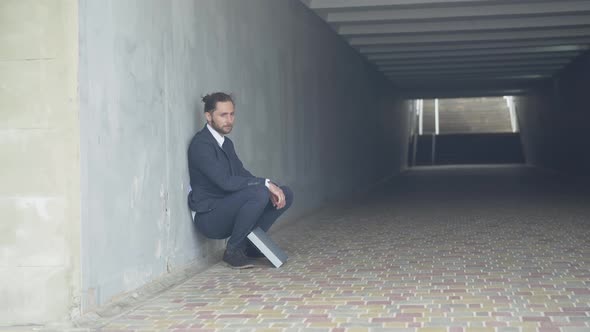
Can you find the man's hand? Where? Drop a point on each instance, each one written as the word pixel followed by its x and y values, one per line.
pixel 277 196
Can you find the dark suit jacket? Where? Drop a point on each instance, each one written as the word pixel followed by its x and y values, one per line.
pixel 214 172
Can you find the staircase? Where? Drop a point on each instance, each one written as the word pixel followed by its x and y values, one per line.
pixel 471 131
pixel 474 115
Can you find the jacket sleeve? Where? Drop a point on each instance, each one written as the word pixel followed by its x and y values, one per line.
pixel 203 156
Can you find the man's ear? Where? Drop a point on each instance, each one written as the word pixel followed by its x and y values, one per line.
pixel 208 117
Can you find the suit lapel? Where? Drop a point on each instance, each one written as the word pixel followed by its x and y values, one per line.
pixel 228 153
pixel 212 140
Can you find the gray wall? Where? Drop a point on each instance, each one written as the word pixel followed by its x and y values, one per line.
pixel 555 121
pixel 310 113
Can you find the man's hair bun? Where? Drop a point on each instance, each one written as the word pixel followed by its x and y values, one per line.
pixel 211 100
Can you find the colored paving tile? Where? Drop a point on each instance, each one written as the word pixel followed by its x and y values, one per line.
pixel 411 257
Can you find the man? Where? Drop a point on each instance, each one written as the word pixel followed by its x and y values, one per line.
pixel 228 200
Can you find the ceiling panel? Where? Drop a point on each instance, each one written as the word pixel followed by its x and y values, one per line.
pixel 424 44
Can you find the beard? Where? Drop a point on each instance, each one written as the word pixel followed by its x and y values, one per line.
pixel 223 130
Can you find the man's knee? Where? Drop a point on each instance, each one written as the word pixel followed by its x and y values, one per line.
pixel 260 194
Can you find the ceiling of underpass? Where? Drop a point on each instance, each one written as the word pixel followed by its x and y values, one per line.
pixel 462 47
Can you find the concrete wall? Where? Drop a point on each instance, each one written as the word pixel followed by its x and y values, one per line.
pixel 310 113
pixel 555 121
pixel 39 154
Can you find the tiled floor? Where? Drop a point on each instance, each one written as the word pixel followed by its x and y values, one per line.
pixel 451 249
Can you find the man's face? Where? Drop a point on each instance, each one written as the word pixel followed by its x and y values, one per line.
pixel 222 118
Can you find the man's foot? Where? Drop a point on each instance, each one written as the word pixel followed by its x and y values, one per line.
pixel 253 252
pixel 237 259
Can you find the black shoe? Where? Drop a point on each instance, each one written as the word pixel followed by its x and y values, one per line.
pixel 253 252
pixel 237 259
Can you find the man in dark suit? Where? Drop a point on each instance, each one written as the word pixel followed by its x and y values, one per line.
pixel 228 200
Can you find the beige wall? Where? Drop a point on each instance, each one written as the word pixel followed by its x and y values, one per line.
pixel 39 158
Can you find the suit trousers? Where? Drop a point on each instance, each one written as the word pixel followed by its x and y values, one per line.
pixel 237 214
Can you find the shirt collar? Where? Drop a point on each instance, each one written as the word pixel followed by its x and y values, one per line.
pixel 218 137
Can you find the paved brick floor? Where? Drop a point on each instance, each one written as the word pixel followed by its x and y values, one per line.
pixel 450 249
